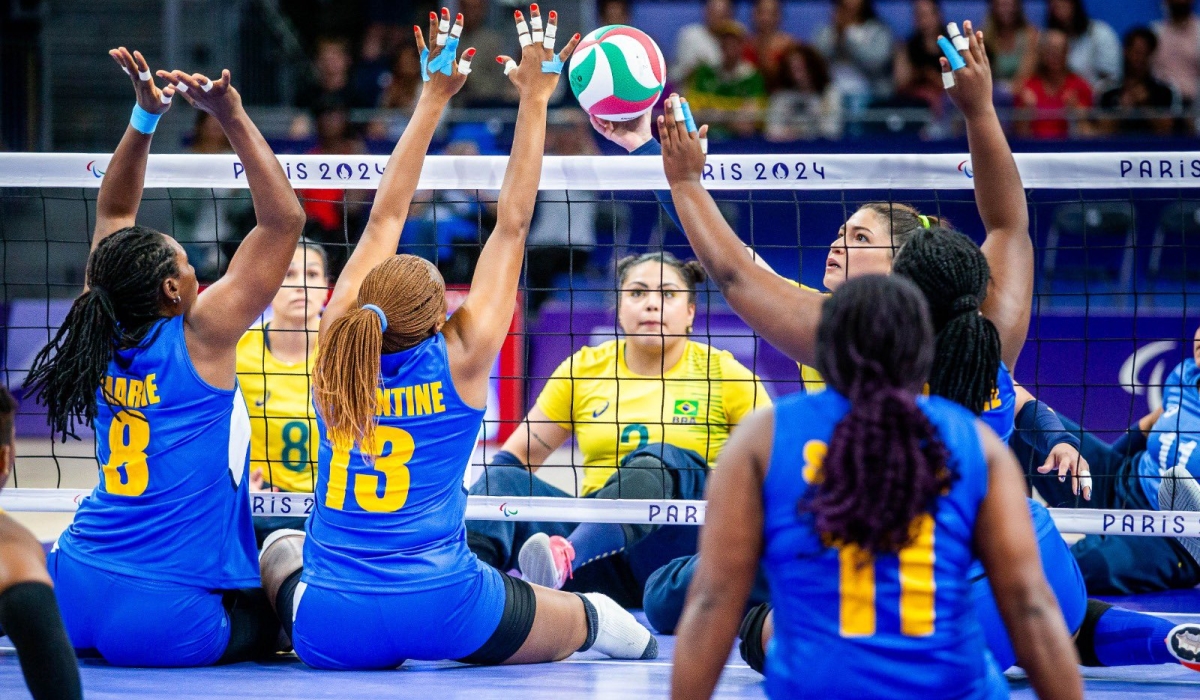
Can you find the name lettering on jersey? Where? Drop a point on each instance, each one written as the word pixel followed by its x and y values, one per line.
pixel 130 392
pixel 407 401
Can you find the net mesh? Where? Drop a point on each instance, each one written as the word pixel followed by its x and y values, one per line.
pixel 1116 238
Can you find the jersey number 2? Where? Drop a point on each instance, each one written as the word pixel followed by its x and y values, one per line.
pixel 126 472
pixel 856 585
pixel 384 488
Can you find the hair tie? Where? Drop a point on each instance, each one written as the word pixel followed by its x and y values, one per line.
pixel 924 220
pixel 965 304
pixel 378 312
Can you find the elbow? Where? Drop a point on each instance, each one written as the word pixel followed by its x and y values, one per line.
pixel 295 218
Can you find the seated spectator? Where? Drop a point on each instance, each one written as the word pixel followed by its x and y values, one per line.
pixel 697 45
pixel 613 12
pixel 1095 49
pixel 729 96
pixel 806 104
pixel 1138 90
pixel 487 88
pixel 1051 88
pixel 402 88
pixel 332 84
pixel 858 47
pixel 334 216
pixel 768 43
pixel 1011 43
pixel 920 54
pixel 370 74
pixel 1178 64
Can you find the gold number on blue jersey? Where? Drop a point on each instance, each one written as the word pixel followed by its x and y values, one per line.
pixel 126 472
pixel 384 488
pixel 856 585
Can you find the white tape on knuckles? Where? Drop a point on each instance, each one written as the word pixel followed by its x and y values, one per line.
pixel 464 66
pixel 181 87
pixel 509 66
pixel 456 30
pixel 206 86
pixel 144 75
pixel 523 37
pixel 551 32
pixel 948 79
pixel 441 39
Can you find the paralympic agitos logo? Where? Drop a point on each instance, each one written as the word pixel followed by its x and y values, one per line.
pixel 1158 356
pixel 966 169
pixel 94 169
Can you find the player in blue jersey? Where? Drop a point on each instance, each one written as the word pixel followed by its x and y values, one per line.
pixel 158 567
pixel 867 505
pixel 400 392
pixel 28 611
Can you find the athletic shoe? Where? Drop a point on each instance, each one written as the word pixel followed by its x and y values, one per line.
pixel 546 561
pixel 1184 644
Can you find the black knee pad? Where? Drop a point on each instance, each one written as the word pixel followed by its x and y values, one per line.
pixel 751 647
pixel 632 481
pixel 1085 639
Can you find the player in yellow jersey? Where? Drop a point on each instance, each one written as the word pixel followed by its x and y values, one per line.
pixel 274 367
pixel 654 402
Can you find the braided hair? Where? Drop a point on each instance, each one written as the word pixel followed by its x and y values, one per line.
pixel 953 273
pixel 123 301
pixel 886 464
pixel 412 297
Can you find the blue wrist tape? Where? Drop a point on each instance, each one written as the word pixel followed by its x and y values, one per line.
pixel 425 65
pixel 952 55
pixel 444 62
pixel 553 66
pixel 687 118
pixel 143 121
pixel 1043 429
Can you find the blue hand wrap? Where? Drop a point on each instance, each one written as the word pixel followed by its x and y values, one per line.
pixel 444 62
pixel 1042 428
pixel 553 66
pixel 143 121
pixel 687 118
pixel 425 65
pixel 952 55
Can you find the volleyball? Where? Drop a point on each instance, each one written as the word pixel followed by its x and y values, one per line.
pixel 617 73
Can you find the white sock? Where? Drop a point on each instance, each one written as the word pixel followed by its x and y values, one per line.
pixel 618 634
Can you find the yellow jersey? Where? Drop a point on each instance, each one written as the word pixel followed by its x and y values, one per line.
pixel 613 411
pixel 283 423
pixel 813 381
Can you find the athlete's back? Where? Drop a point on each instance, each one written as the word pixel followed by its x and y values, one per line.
pixel 849 625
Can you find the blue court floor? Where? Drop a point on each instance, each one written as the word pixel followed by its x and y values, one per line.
pixel 587 675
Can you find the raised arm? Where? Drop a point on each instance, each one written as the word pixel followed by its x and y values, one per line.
pixel 223 313
pixel 1000 197
pixel 381 236
pixel 785 315
pixel 477 330
pixel 1007 547
pixel 730 547
pixel 121 189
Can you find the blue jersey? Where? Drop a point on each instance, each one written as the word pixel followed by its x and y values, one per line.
pixel 1001 412
pixel 395 523
pixel 854 626
pixel 173 502
pixel 1173 439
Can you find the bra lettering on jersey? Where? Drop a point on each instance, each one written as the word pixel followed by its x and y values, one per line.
pixel 131 392
pixel 407 401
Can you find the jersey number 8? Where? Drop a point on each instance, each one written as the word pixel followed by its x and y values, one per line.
pixel 126 472
pixel 384 488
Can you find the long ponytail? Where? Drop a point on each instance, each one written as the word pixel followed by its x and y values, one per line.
pixel 346 377
pixel 885 464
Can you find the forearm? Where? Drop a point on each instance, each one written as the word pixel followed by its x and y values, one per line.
pixel 275 203
pixel 518 193
pixel 403 170
pixel 714 242
pixel 999 194
pixel 704 638
pixel 121 189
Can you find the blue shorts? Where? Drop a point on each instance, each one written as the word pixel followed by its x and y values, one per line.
pixel 138 622
pixel 1063 574
pixel 339 630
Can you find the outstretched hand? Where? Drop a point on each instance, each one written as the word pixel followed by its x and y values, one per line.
pixel 149 97
pixel 1066 459
pixel 630 135
pixel 443 38
pixel 683 154
pixel 972 91
pixel 217 97
pixel 531 78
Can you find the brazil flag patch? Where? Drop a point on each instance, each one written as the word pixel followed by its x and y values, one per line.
pixel 687 407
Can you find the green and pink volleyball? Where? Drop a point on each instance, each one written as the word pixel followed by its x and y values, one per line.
pixel 617 73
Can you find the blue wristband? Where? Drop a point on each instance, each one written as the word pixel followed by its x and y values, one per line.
pixel 952 55
pixel 143 121
pixel 444 62
pixel 1043 429
pixel 425 65
pixel 687 118
pixel 553 66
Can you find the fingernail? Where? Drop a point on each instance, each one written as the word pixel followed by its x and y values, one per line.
pixel 445 12
pixel 553 14
pixel 517 14
pixel 576 35
pixel 416 29
pixel 533 7
pixel 432 15
pixel 458 17
pixel 500 60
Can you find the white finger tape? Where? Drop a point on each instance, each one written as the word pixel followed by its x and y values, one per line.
pixel 166 99
pixel 523 37
pixel 143 75
pixel 538 36
pixel 444 25
pixel 952 29
pixel 960 43
pixel 441 38
pixel 551 31
pixel 677 110
pixel 509 66
pixel 464 66
pixel 456 30
pixel 704 145
pixel 206 86
pixel 948 80
pixel 535 24
pixel 126 70
pixel 181 87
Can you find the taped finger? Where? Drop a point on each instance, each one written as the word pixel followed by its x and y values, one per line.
pixel 522 29
pixel 687 118
pixel 165 98
pixel 947 80
pixel 951 54
pixel 464 63
pixel 677 109
pixel 425 65
pixel 551 32
pixel 535 24
pixel 181 87
pixel 704 145
pixel 143 75
pixel 509 64
pixel 206 86
pixel 959 41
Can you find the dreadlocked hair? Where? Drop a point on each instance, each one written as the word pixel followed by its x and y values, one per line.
pixel 903 221
pixel 122 302
pixel 953 274
pixel 412 296
pixel 885 465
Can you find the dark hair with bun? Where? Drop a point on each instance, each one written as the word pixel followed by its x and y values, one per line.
pixel 886 464
pixel 692 272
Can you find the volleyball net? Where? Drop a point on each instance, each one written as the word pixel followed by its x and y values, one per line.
pixel 1117 238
